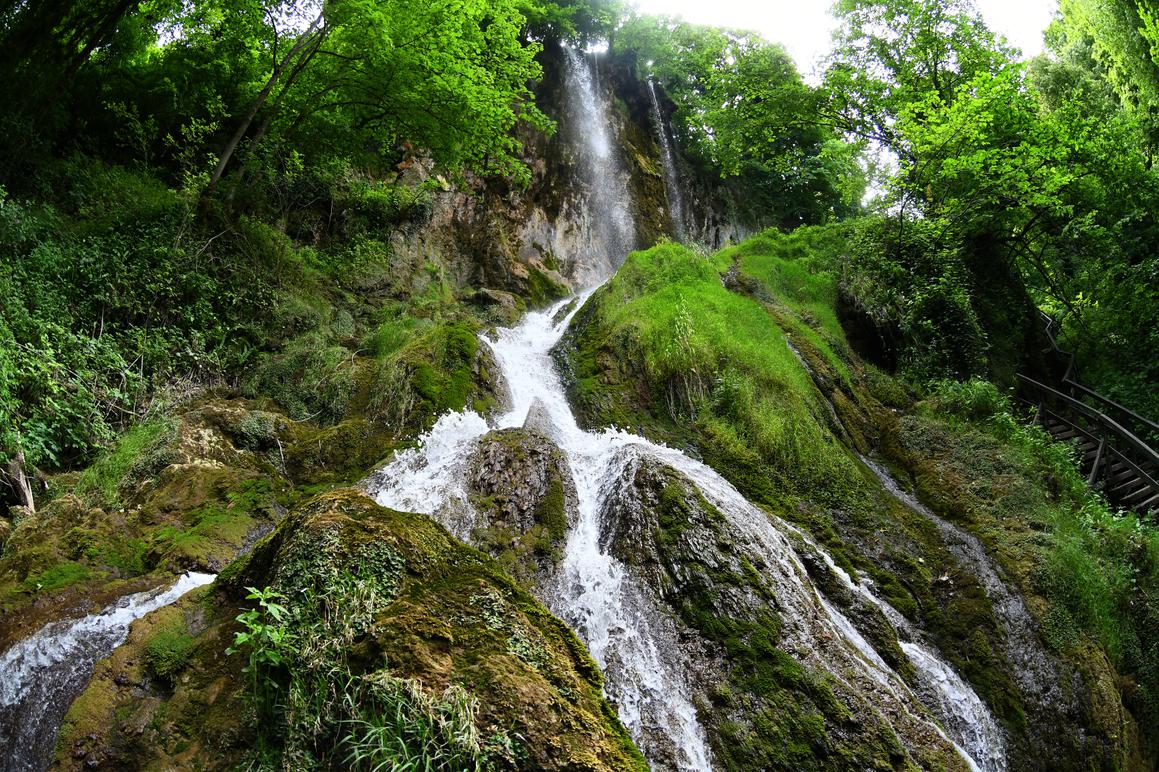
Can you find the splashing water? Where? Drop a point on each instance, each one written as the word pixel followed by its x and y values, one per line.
pixel 648 672
pixel 41 675
pixel 671 176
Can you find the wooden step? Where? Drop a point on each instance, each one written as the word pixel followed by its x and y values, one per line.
pixel 1149 505
pixel 1118 478
pixel 1140 496
pixel 1127 487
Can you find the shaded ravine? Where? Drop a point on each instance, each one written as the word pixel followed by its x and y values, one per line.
pixel 41 675
pixel 649 673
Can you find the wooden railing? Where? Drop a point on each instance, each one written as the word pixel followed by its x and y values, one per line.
pixel 1116 459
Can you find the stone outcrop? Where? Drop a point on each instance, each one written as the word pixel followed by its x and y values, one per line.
pixel 427 614
pixel 522 490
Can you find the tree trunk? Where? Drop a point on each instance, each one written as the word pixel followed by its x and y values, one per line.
pixel 310 36
pixel 20 481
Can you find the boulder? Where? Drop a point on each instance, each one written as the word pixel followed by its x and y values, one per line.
pixel 522 490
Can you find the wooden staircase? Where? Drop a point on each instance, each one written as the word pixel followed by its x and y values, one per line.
pixel 1115 458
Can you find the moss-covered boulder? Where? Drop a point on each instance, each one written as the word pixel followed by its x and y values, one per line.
pixel 190 491
pixel 383 615
pixel 525 502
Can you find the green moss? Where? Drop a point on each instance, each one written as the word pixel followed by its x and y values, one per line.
pixel 432 374
pixel 57 576
pixel 687 348
pixel 168 651
pixel 542 288
pixel 139 450
pixel 209 535
pixel 374 594
pixel 551 511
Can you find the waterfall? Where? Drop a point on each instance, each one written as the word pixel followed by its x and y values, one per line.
pixel 671 177
pixel 610 229
pixel 649 670
pixel 41 675
pixel 967 721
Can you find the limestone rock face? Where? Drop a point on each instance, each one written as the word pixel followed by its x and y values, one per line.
pixel 522 490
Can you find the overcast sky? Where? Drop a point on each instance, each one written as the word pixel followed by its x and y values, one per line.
pixel 804 26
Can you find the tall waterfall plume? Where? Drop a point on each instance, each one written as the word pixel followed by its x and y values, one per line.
pixel 671 176
pixel 610 226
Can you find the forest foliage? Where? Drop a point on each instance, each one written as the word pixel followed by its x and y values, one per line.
pixel 172 170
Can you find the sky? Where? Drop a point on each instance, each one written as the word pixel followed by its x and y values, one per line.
pixel 804 27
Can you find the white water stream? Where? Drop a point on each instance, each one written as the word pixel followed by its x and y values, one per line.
pixel 41 675
pixel 671 176
pixel 609 229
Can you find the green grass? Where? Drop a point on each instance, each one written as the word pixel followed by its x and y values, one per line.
pixel 719 358
pixel 793 272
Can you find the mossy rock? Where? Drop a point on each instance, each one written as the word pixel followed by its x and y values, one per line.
pixel 762 706
pixel 522 491
pixel 444 615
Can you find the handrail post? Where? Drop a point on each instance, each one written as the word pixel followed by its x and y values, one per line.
pixel 1094 475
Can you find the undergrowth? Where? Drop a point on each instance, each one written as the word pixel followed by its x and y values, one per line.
pixel 1098 567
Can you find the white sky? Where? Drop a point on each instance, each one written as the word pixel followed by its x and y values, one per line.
pixel 805 27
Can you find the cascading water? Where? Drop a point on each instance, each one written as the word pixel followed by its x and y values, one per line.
pixel 671 176
pixel 41 675
pixel 1036 672
pixel 649 664
pixel 595 594
pixel 649 674
pixel 968 723
pixel 608 222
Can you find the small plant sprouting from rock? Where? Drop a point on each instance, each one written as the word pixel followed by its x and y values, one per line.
pixel 317 708
pixel 267 643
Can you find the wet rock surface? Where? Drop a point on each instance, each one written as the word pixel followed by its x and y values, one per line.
pixel 525 501
pixel 731 604
pixel 444 615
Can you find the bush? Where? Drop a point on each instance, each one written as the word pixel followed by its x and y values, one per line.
pixel 913 286
pixel 975 399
